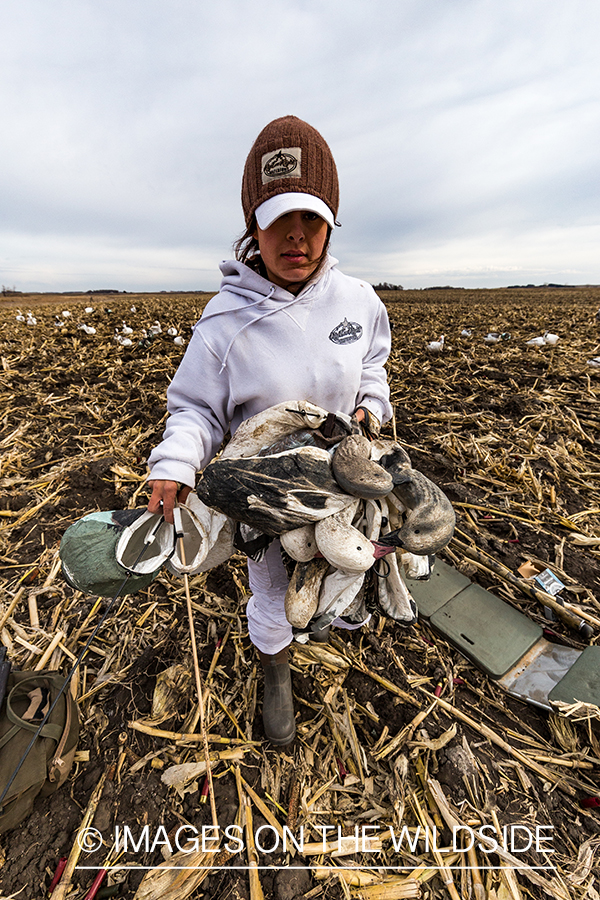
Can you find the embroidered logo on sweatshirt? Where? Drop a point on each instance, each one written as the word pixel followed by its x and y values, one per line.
pixel 283 163
pixel 346 332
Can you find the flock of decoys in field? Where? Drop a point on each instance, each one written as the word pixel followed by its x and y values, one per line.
pixel 124 335
pixel 547 339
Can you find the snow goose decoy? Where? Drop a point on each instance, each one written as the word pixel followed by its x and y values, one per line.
pixel 356 473
pixel 436 346
pixel 536 342
pixel 125 329
pixel 172 332
pixel 300 543
pixel 344 546
pixel 467 333
pixel 30 320
pixel 20 317
pixel 145 340
pixel 302 595
pixel 179 341
pixel 155 329
pixel 495 337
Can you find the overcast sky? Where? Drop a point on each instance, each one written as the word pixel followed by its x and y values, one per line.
pixel 466 135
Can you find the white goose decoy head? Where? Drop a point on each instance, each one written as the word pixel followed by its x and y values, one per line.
pixel 466 332
pixel 551 339
pixel 172 332
pixel 492 337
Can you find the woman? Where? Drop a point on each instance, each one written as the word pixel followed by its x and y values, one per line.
pixel 286 324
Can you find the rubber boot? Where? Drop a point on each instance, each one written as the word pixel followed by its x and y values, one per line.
pixel 278 702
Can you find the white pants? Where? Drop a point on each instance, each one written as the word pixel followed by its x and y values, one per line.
pixel 268 627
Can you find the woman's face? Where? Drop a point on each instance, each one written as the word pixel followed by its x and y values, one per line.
pixel 291 247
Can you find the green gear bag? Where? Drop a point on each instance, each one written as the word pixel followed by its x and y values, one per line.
pixel 28 696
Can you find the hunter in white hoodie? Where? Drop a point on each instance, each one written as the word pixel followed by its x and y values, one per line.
pixel 285 325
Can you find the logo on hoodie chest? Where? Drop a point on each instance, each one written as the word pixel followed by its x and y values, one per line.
pixel 346 332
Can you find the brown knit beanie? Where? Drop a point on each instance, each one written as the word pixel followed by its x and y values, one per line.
pixel 289 155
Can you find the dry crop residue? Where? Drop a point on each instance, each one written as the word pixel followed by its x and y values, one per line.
pixel 510 433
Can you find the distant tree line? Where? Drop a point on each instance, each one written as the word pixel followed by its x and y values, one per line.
pixel 386 286
pixel 105 291
pixel 549 284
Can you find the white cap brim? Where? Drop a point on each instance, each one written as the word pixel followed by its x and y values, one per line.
pixel 269 211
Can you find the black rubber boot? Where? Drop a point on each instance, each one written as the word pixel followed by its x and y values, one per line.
pixel 278 703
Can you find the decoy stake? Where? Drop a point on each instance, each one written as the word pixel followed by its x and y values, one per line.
pixel 179 534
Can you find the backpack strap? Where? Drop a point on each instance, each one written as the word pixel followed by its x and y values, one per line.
pixel 56 769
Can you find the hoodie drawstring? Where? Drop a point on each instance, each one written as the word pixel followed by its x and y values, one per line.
pixel 280 307
pixel 263 315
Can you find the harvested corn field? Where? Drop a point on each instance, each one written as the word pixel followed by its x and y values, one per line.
pixel 396 728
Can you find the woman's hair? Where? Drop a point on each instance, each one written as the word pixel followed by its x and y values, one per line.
pixel 246 247
pixel 247 251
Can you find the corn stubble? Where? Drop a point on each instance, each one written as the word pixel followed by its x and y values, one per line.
pixel 511 433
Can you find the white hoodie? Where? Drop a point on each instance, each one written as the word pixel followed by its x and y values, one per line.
pixel 257 345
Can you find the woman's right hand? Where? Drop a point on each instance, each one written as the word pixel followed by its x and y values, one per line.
pixel 165 496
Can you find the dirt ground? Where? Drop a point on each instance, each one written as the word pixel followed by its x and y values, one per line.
pixel 509 432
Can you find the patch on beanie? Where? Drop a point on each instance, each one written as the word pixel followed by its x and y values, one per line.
pixel 282 163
